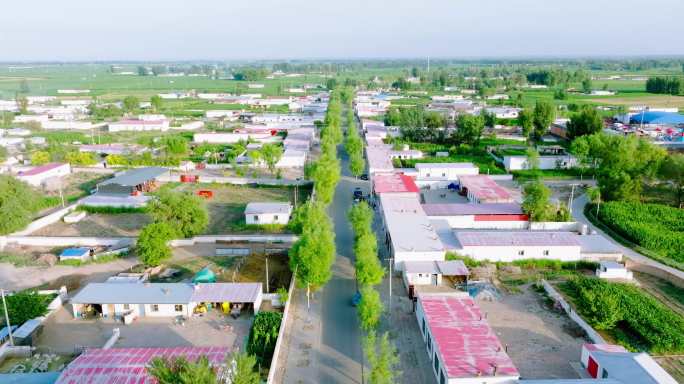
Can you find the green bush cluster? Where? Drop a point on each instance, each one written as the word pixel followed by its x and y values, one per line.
pixel 111 210
pixel 263 336
pixel 634 319
pixel 656 227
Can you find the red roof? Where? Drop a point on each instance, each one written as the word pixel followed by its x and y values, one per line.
pixel 127 365
pixel 467 345
pixel 394 182
pixel 485 189
pixel 41 169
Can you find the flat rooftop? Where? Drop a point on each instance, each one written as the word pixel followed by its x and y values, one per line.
pixel 445 165
pixel 466 342
pixel 41 169
pixel 447 268
pixel 394 182
pixel 136 176
pixel 409 227
pixel 472 209
pixel 268 207
pixel 378 155
pixel 485 189
pixel 516 238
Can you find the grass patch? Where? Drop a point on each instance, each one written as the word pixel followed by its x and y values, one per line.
pixel 18 260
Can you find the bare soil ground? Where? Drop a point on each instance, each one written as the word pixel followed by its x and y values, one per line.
pixel 541 342
pixel 652 100
pixel 102 225
pixel 227 206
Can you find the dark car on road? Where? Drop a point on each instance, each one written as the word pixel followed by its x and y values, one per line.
pixel 358 194
pixel 364 177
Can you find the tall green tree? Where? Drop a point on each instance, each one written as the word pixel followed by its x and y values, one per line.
pixel 370 308
pixel 586 85
pixel 383 359
pixel 244 369
pixel 156 102
pixel 18 203
pixel 131 104
pixel 672 170
pixel 469 128
pixel 542 116
pixel 185 212
pixel 152 248
pixel 586 122
pixel 536 201
pixel 24 306
pixel 182 371
pixel 271 153
pixel 526 121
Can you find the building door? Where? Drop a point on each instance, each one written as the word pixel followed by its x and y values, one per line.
pixel 592 367
pixel 110 310
pixel 433 279
pixel 142 310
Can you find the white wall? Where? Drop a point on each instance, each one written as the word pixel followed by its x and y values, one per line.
pixel 510 253
pixel 267 218
pixel 516 163
pixel 421 279
pixel 440 173
pixel 37 180
pixel 468 222
pixel 400 257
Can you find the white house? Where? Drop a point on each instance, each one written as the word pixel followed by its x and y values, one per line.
pixel 230 115
pixel 519 162
pixel 504 112
pixel 38 175
pixel 479 216
pixel 613 270
pixel 292 158
pixel 462 347
pixel 431 272
pixel 139 125
pixel 31 118
pixel 606 361
pixel 268 213
pixel 161 299
pixel 227 138
pixel 440 175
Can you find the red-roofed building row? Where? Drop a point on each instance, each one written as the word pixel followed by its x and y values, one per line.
pixel 394 183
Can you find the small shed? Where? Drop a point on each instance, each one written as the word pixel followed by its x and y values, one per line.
pixel 607 361
pixel 268 213
pixel 205 275
pixel 613 270
pixel 28 333
pixel 433 272
pixel 4 333
pixel 74 217
pixel 81 253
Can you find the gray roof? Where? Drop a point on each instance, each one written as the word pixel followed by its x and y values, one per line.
pixel 257 208
pixel 136 176
pixel 230 292
pixel 27 328
pixel 596 244
pixel 29 378
pixel 631 367
pixel 134 293
pixel 447 268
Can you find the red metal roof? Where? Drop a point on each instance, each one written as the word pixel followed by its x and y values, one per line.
pixel 467 345
pixel 485 189
pixel 127 365
pixel 394 182
pixel 41 169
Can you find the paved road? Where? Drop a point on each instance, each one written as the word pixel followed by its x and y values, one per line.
pixel 578 214
pixel 323 343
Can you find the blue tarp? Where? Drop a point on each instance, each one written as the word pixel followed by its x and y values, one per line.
pixel 657 118
pixel 74 252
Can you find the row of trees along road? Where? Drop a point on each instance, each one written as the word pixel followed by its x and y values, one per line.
pixel 380 353
pixel 313 254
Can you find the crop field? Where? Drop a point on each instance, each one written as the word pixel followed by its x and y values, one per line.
pixel 637 99
pixel 44 79
pixel 656 227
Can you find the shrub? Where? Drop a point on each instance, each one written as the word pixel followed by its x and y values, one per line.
pixel 24 306
pixel 111 210
pixel 263 336
pixel 151 246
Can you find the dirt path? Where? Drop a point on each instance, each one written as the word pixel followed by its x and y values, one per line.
pixel 657 288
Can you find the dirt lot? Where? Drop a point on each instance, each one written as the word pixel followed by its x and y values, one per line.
pixel 233 268
pixel 542 343
pixel 227 206
pixel 63 333
pixel 104 225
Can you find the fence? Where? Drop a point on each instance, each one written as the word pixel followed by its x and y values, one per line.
pixel 64 241
pixel 591 333
pixel 46 220
pixel 281 332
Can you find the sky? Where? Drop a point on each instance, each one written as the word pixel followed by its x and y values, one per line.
pixel 149 30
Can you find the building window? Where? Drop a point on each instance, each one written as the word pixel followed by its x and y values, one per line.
pixel 436 363
pixel 442 379
pixel 546 252
pixel 428 175
pixel 256 218
pixel 429 343
pixel 423 326
pixel 275 217
pixel 604 375
pixel 521 253
pixel 155 308
pixel 127 307
pixel 443 174
pixel 178 307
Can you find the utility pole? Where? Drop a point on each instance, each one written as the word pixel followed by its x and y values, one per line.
pixel 390 287
pixel 9 327
pixel 267 290
pixel 572 195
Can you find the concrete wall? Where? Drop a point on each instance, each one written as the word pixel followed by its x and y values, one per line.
pixel 245 238
pixel 511 253
pixel 657 272
pixel 276 361
pixel 14 351
pixel 46 220
pixel 57 241
pixel 571 226
pixel 517 163
pixel 468 222
pixel 400 257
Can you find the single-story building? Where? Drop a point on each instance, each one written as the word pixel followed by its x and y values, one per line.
pixel 160 299
pixel 613 270
pixel 268 213
pixel 132 182
pixel 463 348
pixel 129 365
pixel 409 235
pixel 81 254
pixel 509 246
pixel 606 361
pixel 483 189
pixel 292 158
pixel 479 216
pixel 519 162
pixel 440 175
pixel 394 183
pixel 28 333
pixel 121 201
pixel 432 272
pixel 38 175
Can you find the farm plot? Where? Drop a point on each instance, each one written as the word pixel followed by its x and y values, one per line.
pixel 227 205
pixel 101 225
